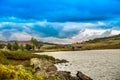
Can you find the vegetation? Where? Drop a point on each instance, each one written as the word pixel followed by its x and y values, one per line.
pixel 2 46
pixel 112 42
pixel 15 46
pixel 28 47
pixel 9 46
pixel 9 61
pixel 34 45
pixel 34 42
pixel 9 72
pixel 15 57
pixel 22 47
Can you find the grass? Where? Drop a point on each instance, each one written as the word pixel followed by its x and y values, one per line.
pixel 112 42
pixel 16 57
pixel 9 70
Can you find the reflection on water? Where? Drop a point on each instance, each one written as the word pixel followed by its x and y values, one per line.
pixel 98 64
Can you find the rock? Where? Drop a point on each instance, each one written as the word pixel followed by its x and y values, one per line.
pixel 82 76
pixel 63 61
pixel 51 68
pixel 47 69
pixel 43 67
pixel 42 73
pixel 40 64
pixel 64 75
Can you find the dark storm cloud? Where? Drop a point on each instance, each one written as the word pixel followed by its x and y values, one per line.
pixel 60 11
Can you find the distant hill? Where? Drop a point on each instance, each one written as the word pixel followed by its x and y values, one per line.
pixel 112 42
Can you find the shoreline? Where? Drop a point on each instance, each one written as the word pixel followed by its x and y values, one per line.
pixel 76 50
pixel 89 62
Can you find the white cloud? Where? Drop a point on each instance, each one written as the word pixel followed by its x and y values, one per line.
pixel 2 37
pixel 57 40
pixel 72 31
pixel 20 36
pixel 84 36
pixel 115 32
pixel 84 25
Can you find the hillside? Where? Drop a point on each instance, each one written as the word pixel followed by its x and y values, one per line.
pixel 112 42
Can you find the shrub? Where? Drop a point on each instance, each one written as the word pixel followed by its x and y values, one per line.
pixel 9 72
pixel 15 46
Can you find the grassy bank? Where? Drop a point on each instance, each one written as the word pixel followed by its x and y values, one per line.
pixel 9 60
pixel 16 57
pixel 10 72
pixel 112 42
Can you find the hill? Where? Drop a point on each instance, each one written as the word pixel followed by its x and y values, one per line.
pixel 112 42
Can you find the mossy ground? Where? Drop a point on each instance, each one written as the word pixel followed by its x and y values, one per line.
pixel 10 59
pixel 16 57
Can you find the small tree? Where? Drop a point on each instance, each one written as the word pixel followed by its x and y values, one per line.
pixel 9 46
pixel 28 47
pixel 2 46
pixel 73 48
pixel 34 43
pixel 15 46
pixel 22 47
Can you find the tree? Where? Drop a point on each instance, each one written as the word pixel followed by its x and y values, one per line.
pixel 9 46
pixel 2 46
pixel 73 48
pixel 22 47
pixel 15 46
pixel 28 47
pixel 34 43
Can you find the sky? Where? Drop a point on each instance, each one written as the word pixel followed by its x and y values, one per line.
pixel 59 21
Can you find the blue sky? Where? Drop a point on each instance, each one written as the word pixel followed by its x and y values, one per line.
pixel 58 20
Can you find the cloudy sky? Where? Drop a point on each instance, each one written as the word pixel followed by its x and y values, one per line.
pixel 59 21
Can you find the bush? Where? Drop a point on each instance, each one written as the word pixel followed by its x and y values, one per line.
pixel 28 47
pixel 9 72
pixel 9 46
pixel 15 46
pixel 2 46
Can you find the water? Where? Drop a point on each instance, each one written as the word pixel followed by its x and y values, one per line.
pixel 98 64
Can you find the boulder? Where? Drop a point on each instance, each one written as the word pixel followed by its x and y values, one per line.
pixel 51 68
pixel 40 64
pixel 82 76
pixel 64 75
pixel 43 67
pixel 47 69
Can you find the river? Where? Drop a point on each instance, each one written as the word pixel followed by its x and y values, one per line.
pixel 97 64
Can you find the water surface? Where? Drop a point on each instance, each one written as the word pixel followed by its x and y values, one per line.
pixel 98 64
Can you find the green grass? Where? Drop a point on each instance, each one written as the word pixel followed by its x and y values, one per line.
pixel 9 70
pixel 112 42
pixel 16 57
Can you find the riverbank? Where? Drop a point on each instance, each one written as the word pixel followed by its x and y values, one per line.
pixel 17 65
pixel 98 64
